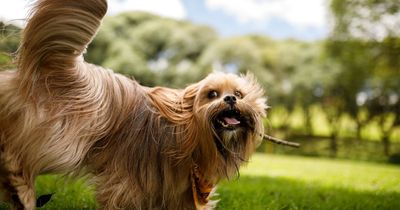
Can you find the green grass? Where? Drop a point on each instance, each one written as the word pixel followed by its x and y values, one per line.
pixel 277 182
pixel 288 182
pixel 68 194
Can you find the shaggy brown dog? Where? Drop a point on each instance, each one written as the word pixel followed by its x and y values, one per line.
pixel 145 148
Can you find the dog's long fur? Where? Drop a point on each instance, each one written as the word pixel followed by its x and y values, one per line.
pixel 59 114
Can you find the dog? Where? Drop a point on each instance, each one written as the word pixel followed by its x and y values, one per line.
pixel 142 147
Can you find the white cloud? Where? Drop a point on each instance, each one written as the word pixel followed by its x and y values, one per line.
pixel 13 10
pixel 168 8
pixel 306 13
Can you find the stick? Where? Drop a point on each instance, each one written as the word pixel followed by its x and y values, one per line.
pixel 280 141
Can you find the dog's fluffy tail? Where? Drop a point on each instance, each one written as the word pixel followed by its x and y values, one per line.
pixel 56 34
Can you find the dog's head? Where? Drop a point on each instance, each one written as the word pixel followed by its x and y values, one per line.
pixel 221 119
pixel 227 112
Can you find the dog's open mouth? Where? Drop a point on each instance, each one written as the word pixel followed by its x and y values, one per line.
pixel 229 120
pixel 231 126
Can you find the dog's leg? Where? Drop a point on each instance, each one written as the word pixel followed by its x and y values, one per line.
pixel 17 188
pixel 21 192
pixel 9 195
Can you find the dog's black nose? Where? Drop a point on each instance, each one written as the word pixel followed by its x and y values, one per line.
pixel 230 99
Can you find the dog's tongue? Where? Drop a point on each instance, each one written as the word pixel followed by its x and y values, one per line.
pixel 231 120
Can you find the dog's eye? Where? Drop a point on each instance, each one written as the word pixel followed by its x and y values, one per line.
pixel 238 94
pixel 212 94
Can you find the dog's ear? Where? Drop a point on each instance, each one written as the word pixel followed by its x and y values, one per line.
pixel 174 105
pixel 189 97
pixel 189 140
pixel 177 107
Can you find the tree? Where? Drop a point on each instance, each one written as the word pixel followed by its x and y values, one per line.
pixel 233 55
pixel 365 39
pixel 372 20
pixel 155 50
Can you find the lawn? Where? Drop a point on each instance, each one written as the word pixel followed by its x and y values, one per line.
pixel 276 182
pixel 292 182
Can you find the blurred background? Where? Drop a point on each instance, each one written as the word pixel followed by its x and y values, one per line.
pixel 330 68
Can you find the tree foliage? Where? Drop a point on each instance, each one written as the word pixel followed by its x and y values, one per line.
pixel 366 41
pixel 365 19
pixel 9 41
pixel 154 50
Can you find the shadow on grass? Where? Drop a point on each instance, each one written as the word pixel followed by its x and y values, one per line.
pixel 256 193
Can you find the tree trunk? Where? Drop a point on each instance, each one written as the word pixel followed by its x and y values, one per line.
pixel 386 144
pixel 309 129
pixel 333 145
pixel 358 134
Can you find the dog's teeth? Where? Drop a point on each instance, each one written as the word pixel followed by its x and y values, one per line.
pixel 223 123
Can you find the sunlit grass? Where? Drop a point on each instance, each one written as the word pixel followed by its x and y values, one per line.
pixel 276 182
pixel 289 182
pixel 356 175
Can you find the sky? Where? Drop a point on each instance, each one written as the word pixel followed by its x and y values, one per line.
pixel 280 19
